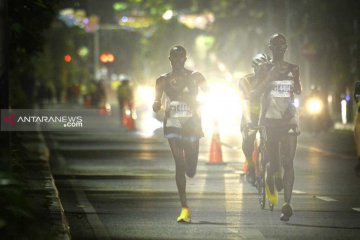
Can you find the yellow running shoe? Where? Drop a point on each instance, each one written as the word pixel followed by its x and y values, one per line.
pixel 273 197
pixel 184 215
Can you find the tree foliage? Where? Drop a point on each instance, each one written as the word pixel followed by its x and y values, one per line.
pixel 28 19
pixel 241 29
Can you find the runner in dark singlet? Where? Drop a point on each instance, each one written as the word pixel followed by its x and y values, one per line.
pixel 280 121
pixel 182 122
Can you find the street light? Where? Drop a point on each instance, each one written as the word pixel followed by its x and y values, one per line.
pixel 67 58
pixel 107 58
pixel 168 15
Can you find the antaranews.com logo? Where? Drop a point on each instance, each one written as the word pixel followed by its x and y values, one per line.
pixel 67 121
pixel 26 120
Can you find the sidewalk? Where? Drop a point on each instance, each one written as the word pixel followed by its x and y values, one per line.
pixel 39 180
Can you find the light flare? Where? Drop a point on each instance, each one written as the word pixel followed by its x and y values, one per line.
pixel 222 105
pixel 147 124
pixel 314 106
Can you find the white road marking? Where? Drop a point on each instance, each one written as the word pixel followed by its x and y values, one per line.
pixel 327 199
pixel 233 231
pixel 298 192
pixel 93 219
pixel 245 233
pixel 357 209
pixel 314 149
pixel 203 157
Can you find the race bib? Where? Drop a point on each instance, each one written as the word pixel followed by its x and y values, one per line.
pixel 180 110
pixel 280 100
pixel 282 89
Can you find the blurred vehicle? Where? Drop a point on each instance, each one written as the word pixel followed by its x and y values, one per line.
pixel 314 113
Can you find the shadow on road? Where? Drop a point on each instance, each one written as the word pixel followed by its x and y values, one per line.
pixel 207 223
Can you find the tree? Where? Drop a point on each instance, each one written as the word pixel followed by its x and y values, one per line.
pixel 28 19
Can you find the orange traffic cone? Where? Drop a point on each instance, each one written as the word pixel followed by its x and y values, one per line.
pixel 131 123
pixel 104 109
pixel 125 120
pixel 255 155
pixel 128 120
pixel 245 167
pixel 215 148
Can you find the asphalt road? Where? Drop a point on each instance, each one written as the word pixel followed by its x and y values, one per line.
pixel 116 184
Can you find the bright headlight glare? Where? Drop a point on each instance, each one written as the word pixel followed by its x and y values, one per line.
pixel 314 106
pixel 221 104
pixel 145 95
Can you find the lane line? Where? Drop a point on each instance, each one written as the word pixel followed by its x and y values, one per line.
pixel 327 199
pixel 356 209
pixel 245 233
pixel 96 224
pixel 233 230
pixel 202 157
pixel 314 149
pixel 298 191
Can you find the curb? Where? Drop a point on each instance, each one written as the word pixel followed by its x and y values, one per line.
pixel 41 180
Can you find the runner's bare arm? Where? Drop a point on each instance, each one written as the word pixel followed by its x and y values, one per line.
pixel 159 89
pixel 201 81
pixel 297 84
